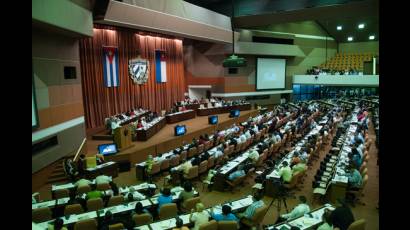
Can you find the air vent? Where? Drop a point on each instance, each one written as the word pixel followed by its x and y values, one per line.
pixel 285 41
pixel 43 145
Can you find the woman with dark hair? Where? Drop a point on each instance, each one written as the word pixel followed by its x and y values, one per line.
pixel 187 192
pixel 179 224
pixel 164 197
pixel 57 225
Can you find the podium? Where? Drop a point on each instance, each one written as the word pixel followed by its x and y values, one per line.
pixel 122 136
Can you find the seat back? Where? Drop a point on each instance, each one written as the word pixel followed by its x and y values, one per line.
pixel 211 225
pixel 95 204
pixel 358 225
pixel 183 155
pixel 174 161
pixel 192 152
pixel 61 193
pixel 103 187
pixel 118 226
pixel 156 168
pixel 168 211
pixel 41 215
pixel 83 189
pixel 203 166
pixel 259 214
pixel 201 148
pixel 142 219
pixel 190 203
pixel 192 172
pixel 208 145
pixel 227 225
pixel 211 162
pixel 115 200
pixel 364 172
pixel 73 209
pixel 164 165
pixel 90 224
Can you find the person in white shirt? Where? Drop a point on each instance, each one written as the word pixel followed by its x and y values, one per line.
pixel 219 152
pixel 115 124
pixel 201 216
pixel 248 134
pixel 82 182
pixel 272 139
pixel 278 137
pixel 143 122
pixel 243 138
pixel 300 210
pixel 102 179
pixel 235 128
pixel 255 128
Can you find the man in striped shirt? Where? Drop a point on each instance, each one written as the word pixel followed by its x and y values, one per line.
pixel 250 210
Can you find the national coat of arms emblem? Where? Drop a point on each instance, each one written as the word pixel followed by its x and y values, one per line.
pixel 138 69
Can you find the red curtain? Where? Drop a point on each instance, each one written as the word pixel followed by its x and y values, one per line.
pixel 100 101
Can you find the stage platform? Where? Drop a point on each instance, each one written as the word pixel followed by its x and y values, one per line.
pixel 165 140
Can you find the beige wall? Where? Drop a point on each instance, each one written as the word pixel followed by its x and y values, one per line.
pixel 204 66
pixel 58 100
pixel 359 47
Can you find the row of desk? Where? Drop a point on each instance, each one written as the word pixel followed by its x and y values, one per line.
pixel 223 109
pixel 306 222
pixel 180 116
pixel 144 134
pixel 237 206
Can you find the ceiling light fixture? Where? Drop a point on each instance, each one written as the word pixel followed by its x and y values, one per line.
pixel 361 26
pixel 371 37
pixel 350 39
pixel 339 27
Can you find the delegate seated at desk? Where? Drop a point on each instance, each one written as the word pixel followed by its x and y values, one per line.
pixel 251 209
pixel 225 215
pixel 199 217
pixel 301 209
pixel 254 156
pixel 285 172
pixel 102 179
pixel 164 198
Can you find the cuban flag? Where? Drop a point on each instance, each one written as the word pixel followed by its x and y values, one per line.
pixel 110 66
pixel 160 66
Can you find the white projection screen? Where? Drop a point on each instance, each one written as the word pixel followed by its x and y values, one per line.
pixel 270 73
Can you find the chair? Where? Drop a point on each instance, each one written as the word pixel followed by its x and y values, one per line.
pixel 61 193
pixel 234 183
pixel 183 155
pixel 208 145
pixel 364 172
pixel 41 214
pixel 192 152
pixel 103 187
pixel 73 209
pixel 358 225
pixel 293 182
pixel 168 211
pixel 203 167
pixel 142 219
pixel 95 204
pixel 174 161
pixel 192 173
pixel 118 226
pixel 359 192
pixel 211 162
pixel 201 148
pixel 90 224
pixel 257 217
pixel 115 200
pixel 83 189
pixel 364 165
pixel 164 165
pixel 211 225
pixel 227 225
pixel 190 203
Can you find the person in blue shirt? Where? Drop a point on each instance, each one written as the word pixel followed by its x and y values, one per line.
pixel 354 178
pixel 225 215
pixel 238 173
pixel 355 157
pixel 164 198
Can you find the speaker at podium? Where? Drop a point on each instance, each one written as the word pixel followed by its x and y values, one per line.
pixel 122 137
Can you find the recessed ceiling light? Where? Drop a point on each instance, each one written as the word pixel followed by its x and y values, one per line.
pixel 350 39
pixel 361 26
pixel 371 37
pixel 339 27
